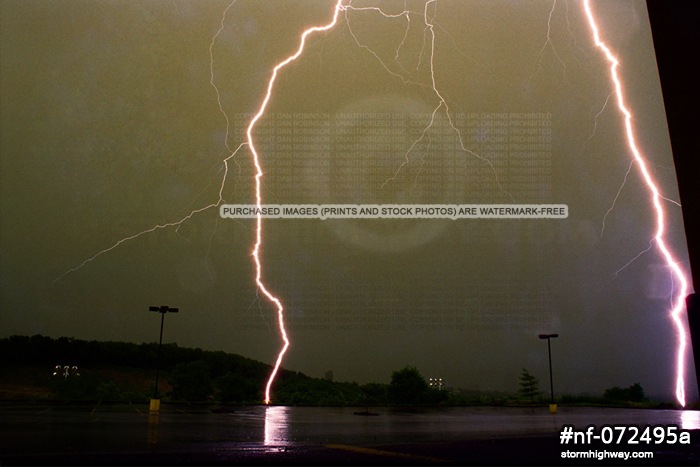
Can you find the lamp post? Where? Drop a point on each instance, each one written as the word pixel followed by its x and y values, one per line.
pixel 552 405
pixel 163 309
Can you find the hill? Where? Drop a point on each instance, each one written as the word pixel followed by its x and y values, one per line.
pixel 40 367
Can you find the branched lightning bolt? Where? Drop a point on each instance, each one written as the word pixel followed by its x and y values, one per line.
pixel 614 202
pixel 258 181
pixel 422 163
pixel 232 155
pixel 442 102
pixel 368 49
pixel 548 42
pixel 678 303
pixel 595 120
pixel 258 197
pixel 629 169
pixel 161 226
pixel 549 38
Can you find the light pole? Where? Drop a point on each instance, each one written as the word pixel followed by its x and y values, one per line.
pixel 163 309
pixel 552 405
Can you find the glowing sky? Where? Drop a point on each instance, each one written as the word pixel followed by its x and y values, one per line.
pixel 116 118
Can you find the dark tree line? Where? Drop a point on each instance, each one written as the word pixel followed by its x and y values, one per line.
pixel 634 393
pixel 107 371
pixel 195 375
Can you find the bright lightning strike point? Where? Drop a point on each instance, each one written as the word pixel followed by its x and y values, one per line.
pixel 258 197
pixel 678 302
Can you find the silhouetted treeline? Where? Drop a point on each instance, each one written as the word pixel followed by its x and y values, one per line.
pixel 194 375
pixel 38 349
pixel 634 393
pixel 121 371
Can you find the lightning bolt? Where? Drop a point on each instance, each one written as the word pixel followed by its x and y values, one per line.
pixel 678 302
pixel 442 102
pixel 215 204
pixel 258 197
pixel 549 42
pixel 258 181
pixel 160 226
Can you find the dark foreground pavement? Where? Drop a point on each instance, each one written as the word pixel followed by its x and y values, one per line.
pixel 526 451
pixel 126 435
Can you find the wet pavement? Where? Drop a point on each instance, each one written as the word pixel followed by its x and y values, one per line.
pixel 278 435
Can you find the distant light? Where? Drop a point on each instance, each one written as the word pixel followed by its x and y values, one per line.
pixel 435 382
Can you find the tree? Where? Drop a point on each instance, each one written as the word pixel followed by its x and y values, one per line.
pixel 529 386
pixel 634 393
pixel 408 387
